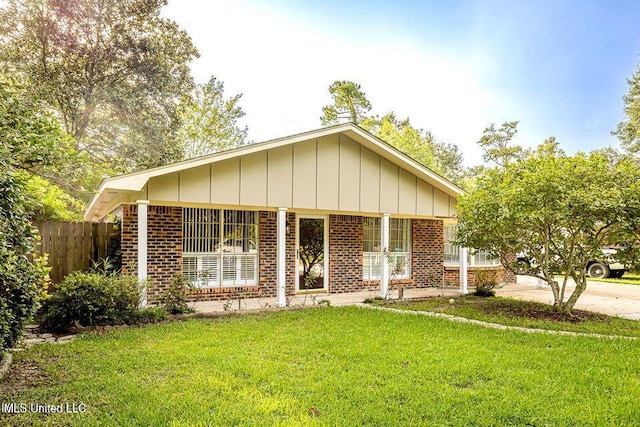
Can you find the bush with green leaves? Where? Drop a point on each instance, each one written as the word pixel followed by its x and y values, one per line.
pixel 145 315
pixel 485 281
pixel 174 299
pixel 21 280
pixel 31 143
pixel 92 299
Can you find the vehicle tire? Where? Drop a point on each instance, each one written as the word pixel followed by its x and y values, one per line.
pixel 616 274
pixel 598 270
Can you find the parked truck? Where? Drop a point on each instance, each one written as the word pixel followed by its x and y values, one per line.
pixel 605 266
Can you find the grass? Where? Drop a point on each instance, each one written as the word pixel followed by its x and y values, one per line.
pixel 627 279
pixel 328 366
pixel 528 314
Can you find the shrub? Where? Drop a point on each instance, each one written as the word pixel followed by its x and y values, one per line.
pixel 486 281
pixel 92 299
pixel 30 140
pixel 145 315
pixel 20 279
pixel 174 299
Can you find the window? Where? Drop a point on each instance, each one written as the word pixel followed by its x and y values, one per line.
pixel 371 248
pixel 451 251
pixel 399 248
pixel 476 258
pixel 220 247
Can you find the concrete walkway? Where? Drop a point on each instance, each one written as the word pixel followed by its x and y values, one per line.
pixel 314 299
pixel 607 298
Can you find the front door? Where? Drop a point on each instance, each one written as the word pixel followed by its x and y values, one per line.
pixel 312 250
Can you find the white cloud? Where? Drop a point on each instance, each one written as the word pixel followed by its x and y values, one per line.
pixel 284 67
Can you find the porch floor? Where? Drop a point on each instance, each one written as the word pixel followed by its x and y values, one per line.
pixel 335 299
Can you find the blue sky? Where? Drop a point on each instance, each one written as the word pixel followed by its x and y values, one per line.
pixel 559 67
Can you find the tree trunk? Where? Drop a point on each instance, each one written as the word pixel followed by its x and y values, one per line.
pixel 555 288
pixel 581 285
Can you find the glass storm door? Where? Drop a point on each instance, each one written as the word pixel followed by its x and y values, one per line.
pixel 312 250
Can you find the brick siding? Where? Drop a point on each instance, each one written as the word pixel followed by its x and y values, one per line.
pixel 427 253
pixel 345 254
pixel 129 238
pixel 164 245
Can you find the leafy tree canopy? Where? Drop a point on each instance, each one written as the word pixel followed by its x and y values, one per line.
pixel 556 209
pixel 416 143
pixel 628 130
pixel 351 104
pixel 113 71
pixel 47 202
pixel 209 121
pixel 30 139
pixel 496 144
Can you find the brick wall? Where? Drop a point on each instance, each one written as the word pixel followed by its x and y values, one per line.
pixel 164 245
pixel 427 253
pixel 345 254
pixel 164 250
pixel 267 252
pixel 129 238
pixel 291 254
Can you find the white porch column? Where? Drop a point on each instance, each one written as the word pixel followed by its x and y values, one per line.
pixel 384 261
pixel 281 258
pixel 142 249
pixel 464 290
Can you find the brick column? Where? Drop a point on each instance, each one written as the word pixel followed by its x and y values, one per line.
pixel 268 246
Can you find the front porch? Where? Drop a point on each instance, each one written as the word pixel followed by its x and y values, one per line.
pixel 267 254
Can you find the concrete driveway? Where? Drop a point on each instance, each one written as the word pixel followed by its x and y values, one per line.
pixel 608 298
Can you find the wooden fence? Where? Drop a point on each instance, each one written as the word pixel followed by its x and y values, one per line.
pixel 73 246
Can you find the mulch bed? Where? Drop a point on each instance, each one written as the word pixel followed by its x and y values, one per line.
pixel 513 308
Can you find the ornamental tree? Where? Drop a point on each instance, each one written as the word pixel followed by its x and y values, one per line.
pixel 558 210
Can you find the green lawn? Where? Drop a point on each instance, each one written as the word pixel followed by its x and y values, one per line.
pixel 507 311
pixel 627 279
pixel 329 366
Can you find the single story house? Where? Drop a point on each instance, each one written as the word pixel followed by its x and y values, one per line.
pixel 331 210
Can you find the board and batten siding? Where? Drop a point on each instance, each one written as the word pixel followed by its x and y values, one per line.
pixel 332 173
